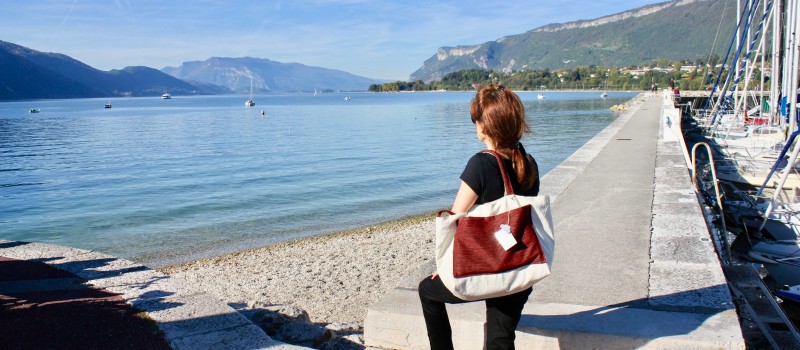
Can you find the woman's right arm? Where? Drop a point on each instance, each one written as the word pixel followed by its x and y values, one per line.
pixel 465 198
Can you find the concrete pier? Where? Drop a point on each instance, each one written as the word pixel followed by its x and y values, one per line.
pixel 634 265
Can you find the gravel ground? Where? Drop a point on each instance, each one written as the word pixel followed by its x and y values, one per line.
pixel 334 277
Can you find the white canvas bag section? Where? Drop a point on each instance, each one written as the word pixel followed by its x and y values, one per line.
pixel 500 284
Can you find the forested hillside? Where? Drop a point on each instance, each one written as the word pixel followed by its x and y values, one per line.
pixel 675 30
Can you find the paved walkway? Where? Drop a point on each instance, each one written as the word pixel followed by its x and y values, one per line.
pixel 53 297
pixel 634 265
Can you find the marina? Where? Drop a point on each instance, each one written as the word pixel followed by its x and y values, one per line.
pixel 747 172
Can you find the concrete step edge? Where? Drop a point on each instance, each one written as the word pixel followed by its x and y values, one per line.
pixel 396 323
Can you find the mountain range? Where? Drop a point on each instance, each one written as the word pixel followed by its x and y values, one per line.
pixel 234 74
pixel 675 30
pixel 29 74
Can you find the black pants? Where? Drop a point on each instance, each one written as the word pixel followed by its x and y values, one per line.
pixel 502 315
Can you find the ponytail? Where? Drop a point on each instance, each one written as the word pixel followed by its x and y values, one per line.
pixel 525 175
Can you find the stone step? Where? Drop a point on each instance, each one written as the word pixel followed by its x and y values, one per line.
pixel 396 323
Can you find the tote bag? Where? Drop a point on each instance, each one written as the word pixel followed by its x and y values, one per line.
pixel 472 262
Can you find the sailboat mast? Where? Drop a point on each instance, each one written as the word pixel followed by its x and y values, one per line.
pixel 793 57
pixel 789 64
pixel 776 61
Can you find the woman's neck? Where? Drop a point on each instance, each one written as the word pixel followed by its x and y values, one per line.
pixel 490 145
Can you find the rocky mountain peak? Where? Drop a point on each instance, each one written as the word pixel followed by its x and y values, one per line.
pixel 639 12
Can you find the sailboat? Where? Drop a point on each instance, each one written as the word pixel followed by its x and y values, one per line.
pixel 769 160
pixel 605 94
pixel 250 102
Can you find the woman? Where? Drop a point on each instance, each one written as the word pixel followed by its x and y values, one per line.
pixel 499 119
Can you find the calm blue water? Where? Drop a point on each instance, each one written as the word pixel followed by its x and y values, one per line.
pixel 157 180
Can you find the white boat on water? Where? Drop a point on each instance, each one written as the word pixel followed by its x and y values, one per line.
pixel 603 95
pixel 250 102
pixel 780 258
pixel 166 96
pixel 540 96
pixel 33 110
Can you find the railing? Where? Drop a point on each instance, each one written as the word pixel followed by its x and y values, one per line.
pixel 726 259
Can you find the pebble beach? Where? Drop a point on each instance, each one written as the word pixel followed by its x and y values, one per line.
pixel 334 278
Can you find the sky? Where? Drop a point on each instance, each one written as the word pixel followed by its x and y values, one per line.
pixel 378 39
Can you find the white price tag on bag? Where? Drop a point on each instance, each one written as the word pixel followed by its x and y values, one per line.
pixel 504 237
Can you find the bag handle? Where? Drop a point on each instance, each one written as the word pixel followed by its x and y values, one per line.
pixel 506 180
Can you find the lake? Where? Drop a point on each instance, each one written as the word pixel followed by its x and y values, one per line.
pixel 160 181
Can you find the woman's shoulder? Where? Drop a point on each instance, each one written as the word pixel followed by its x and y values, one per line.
pixel 478 161
pixel 482 156
pixel 483 159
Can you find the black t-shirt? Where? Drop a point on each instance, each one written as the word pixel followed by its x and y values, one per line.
pixel 482 174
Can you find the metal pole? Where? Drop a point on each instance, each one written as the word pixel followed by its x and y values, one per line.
pixel 791 103
pixel 775 79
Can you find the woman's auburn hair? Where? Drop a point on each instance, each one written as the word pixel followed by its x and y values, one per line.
pixel 502 118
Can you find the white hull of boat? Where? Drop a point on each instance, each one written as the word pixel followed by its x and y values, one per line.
pixel 789 293
pixel 780 258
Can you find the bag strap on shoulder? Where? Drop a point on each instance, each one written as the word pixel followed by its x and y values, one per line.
pixel 506 179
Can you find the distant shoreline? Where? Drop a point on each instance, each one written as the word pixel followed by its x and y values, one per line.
pixel 178 95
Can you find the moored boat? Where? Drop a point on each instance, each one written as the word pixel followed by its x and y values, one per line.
pixel 789 293
pixel 780 258
pixel 752 148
